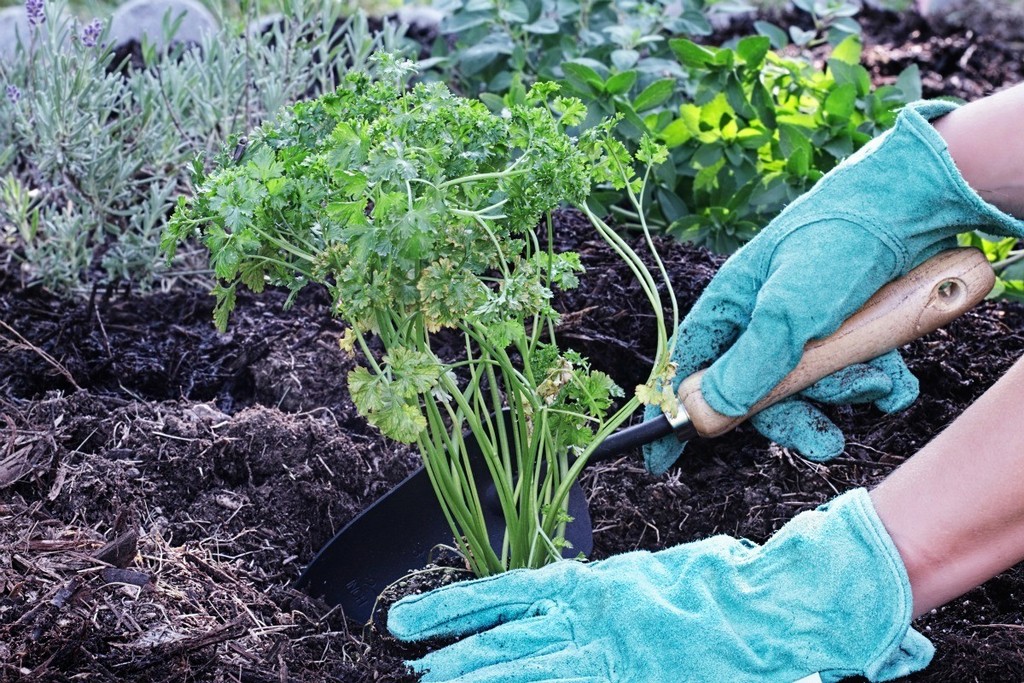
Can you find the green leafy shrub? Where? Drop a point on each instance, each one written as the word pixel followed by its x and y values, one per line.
pixel 495 40
pixel 101 156
pixel 1007 259
pixel 485 44
pixel 427 217
pixel 832 21
pixel 761 130
pixel 747 130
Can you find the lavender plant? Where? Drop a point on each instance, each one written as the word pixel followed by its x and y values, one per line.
pixel 105 154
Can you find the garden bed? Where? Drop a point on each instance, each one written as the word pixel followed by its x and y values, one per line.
pixel 163 484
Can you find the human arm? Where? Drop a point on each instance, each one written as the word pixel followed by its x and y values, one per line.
pixel 956 509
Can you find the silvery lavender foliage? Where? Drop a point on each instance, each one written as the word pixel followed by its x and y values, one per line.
pixel 91 33
pixel 109 153
pixel 35 12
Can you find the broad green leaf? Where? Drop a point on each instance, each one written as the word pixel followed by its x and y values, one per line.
pixel 461 22
pixel 844 25
pixel 909 83
pixel 799 162
pixel 763 104
pixel 753 50
pixel 672 206
pixel 800 36
pixel 514 11
pixel 543 26
pixel 737 98
pixel 752 138
pixel 725 57
pixel 676 133
pixel 713 112
pixel 477 57
pixel 840 147
pixel 582 76
pixel 620 83
pixel 794 140
pixel 691 54
pixel 851 73
pixel 494 102
pixel 779 38
pixel 849 50
pixel 623 59
pixel 655 94
pixel 841 102
pixel 707 178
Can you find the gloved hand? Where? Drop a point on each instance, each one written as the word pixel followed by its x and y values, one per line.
pixel 887 208
pixel 828 593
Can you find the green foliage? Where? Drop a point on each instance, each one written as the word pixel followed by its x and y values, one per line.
pixel 494 41
pixel 1007 259
pixel 418 210
pixel 832 22
pixel 103 155
pixel 747 130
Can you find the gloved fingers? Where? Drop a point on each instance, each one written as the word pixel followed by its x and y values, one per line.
pixel 798 425
pixel 569 665
pixel 857 383
pixel 797 303
pixel 720 315
pixel 886 381
pixel 905 387
pixel 471 606
pixel 511 642
pixel 659 455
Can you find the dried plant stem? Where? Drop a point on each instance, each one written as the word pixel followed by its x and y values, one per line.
pixel 29 346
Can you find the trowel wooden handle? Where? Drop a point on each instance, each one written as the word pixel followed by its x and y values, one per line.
pixel 926 298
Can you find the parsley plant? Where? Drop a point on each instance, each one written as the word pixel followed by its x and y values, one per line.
pixel 421 211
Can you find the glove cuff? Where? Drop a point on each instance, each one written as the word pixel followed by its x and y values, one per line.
pixel 900 650
pixel 978 213
pixel 892 658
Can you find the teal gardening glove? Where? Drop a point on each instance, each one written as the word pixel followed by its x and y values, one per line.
pixel 828 593
pixel 892 205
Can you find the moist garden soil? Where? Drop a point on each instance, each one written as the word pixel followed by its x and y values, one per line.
pixel 162 485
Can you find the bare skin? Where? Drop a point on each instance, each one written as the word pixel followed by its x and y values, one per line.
pixel 985 141
pixel 956 509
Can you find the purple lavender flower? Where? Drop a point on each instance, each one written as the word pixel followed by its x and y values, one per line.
pixel 91 33
pixel 35 12
pixel 13 94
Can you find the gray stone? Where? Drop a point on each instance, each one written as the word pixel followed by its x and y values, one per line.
pixel 420 17
pixel 139 18
pixel 14 26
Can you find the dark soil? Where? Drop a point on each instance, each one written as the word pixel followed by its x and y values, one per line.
pixel 163 484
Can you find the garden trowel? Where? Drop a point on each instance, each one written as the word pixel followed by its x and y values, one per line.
pixel 398 532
